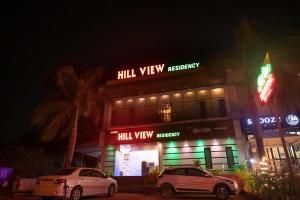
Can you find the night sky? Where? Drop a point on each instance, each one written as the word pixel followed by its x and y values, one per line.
pixel 38 38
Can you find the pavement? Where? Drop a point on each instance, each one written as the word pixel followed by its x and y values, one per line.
pixel 137 196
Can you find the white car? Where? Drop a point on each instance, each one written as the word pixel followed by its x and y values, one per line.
pixel 194 180
pixel 75 183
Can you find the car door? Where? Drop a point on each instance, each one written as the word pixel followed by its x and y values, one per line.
pixel 102 182
pixel 178 178
pixel 87 182
pixel 199 181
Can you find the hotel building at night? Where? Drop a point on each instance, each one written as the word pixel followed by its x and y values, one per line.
pixel 169 115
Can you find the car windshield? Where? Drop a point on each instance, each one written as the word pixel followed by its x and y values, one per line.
pixel 63 171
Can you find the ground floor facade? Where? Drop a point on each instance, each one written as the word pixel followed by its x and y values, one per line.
pixel 274 152
pixel 136 151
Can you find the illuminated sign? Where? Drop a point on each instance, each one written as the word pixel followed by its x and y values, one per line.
pixel 262 120
pixel 265 81
pixel 186 131
pixel 138 135
pixel 183 67
pixel 149 70
pixel 289 122
pixel 292 120
pixel 167 135
pixel 153 70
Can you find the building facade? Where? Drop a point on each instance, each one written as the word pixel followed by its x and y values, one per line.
pixel 168 115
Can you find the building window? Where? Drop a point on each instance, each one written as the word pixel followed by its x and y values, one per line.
pixel 203 113
pixel 166 107
pixel 165 113
pixel 222 108
pixel 229 155
pixel 208 160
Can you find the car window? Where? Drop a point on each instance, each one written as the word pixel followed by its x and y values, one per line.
pixel 66 171
pixel 194 172
pixel 98 174
pixel 86 172
pixel 179 172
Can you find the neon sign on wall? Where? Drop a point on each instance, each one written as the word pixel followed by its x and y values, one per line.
pixel 154 69
pixel 137 135
pixel 149 70
pixel 265 81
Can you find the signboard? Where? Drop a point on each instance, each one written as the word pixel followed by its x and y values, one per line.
pixel 133 72
pixel 190 131
pixel 289 122
pixel 265 81
pixel 5 174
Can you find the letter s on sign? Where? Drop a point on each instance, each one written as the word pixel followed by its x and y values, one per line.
pixel 249 121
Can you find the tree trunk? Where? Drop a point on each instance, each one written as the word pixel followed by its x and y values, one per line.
pixel 72 141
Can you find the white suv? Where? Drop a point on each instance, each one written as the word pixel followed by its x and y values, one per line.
pixel 75 183
pixel 194 180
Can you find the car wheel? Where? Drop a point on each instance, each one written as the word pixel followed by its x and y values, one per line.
pixel 166 191
pixel 111 191
pixel 222 192
pixel 76 193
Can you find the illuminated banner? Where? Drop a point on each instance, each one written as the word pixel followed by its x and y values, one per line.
pixel 153 70
pixel 289 123
pixel 189 131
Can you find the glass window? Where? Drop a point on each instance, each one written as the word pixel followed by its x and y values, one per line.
pixel 229 155
pixel 190 96
pixel 204 94
pixel 203 113
pixel 98 174
pixel 86 172
pixel 140 102
pixel 217 92
pixel 118 104
pixel 151 101
pixel 194 172
pixel 177 97
pixel 222 107
pixel 179 172
pixel 208 159
pixel 164 99
pixel 165 113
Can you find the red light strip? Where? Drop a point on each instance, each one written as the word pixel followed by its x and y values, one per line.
pixel 267 89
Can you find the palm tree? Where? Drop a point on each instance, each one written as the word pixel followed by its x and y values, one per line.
pixel 78 97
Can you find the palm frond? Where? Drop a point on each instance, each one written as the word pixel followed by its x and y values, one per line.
pixel 47 111
pixel 57 123
pixel 68 82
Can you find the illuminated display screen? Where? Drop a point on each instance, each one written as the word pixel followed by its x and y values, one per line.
pixel 154 69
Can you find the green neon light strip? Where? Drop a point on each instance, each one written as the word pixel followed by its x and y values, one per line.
pixel 183 67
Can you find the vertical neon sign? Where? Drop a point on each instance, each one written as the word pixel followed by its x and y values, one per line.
pixel 265 81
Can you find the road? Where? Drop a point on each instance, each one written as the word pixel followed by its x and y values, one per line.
pixel 133 196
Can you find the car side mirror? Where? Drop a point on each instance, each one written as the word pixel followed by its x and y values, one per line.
pixel 207 175
pixel 105 175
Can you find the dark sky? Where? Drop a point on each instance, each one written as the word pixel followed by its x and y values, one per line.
pixel 41 37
